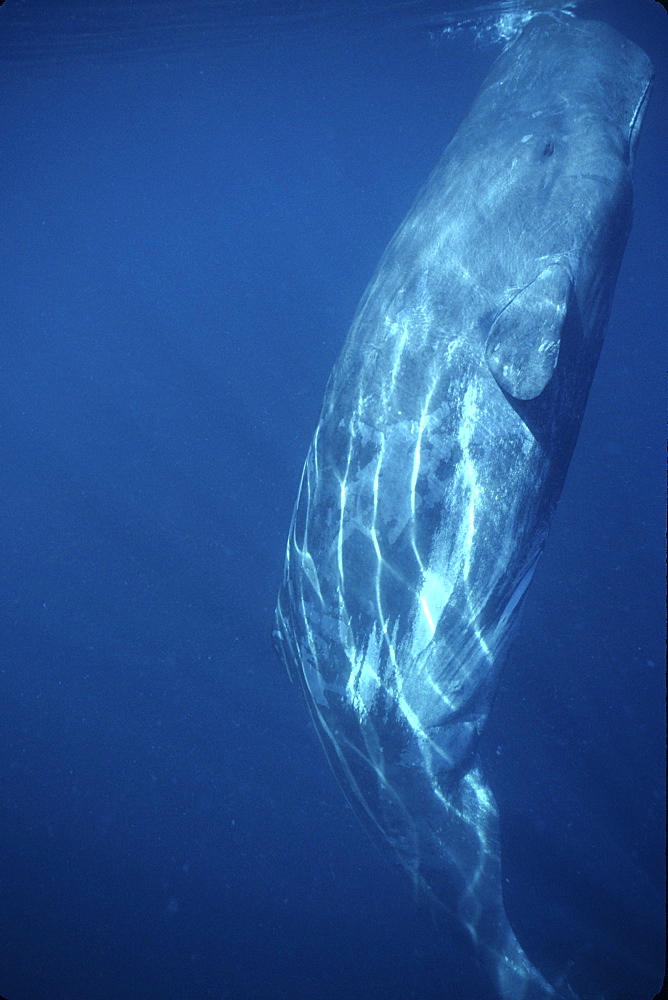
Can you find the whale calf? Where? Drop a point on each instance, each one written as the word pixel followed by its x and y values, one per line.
pixel 441 449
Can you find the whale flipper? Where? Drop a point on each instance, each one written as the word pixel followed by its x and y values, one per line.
pixel 523 344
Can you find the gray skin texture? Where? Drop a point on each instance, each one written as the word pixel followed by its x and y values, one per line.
pixel 445 435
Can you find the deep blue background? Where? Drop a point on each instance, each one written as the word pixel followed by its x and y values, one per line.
pixel 193 199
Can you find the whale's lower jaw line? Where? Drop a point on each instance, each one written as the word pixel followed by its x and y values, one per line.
pixel 440 453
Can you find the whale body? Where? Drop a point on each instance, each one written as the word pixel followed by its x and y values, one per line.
pixel 445 434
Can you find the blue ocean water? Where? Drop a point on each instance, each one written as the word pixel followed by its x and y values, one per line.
pixel 194 198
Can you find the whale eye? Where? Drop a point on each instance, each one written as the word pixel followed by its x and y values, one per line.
pixel 548 148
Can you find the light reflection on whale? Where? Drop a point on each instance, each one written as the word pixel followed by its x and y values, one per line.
pixel 445 434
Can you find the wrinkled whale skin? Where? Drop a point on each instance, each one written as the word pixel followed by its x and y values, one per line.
pixel 445 434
